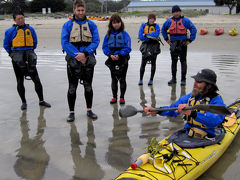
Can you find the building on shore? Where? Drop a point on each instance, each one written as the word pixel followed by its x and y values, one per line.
pixel 161 5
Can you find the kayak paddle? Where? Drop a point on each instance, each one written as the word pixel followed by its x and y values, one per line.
pixel 230 120
pixel 128 110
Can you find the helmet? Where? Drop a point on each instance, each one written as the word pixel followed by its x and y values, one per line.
pixel 206 75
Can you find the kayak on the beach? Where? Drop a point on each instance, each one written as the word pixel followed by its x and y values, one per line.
pixel 233 32
pixel 203 31
pixel 219 31
pixel 182 157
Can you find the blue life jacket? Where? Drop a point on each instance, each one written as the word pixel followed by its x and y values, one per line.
pixel 116 40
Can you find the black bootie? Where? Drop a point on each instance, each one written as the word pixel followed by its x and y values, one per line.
pixel 91 114
pixel 71 117
pixel 172 81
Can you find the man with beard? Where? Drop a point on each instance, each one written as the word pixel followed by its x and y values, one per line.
pixel 204 92
pixel 80 40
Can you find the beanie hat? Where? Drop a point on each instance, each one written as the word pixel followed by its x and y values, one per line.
pixel 176 8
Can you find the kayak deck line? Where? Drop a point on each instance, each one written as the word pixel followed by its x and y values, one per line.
pixel 174 162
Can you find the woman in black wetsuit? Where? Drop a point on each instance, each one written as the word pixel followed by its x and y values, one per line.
pixel 117 46
pixel 149 34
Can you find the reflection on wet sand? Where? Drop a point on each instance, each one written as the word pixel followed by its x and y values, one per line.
pixel 143 100
pixel 32 158
pixel 119 149
pixel 85 167
pixel 225 63
pixel 228 65
pixel 174 123
pixel 173 92
pixel 52 68
pixel 148 129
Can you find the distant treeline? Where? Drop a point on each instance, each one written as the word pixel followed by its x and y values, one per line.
pixel 93 6
pixel 229 3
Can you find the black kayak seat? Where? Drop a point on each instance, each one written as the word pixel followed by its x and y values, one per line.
pixel 184 141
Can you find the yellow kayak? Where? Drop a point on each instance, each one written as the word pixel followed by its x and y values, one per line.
pixel 233 32
pixel 177 161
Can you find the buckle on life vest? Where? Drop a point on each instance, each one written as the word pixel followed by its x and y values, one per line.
pixel 197 133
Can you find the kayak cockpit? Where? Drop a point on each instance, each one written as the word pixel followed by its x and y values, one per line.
pixel 184 141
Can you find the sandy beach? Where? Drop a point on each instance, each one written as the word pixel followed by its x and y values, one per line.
pixel 49 31
pixel 40 144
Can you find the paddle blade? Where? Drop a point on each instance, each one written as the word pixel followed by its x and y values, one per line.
pixel 127 111
pixel 230 120
pixel 217 109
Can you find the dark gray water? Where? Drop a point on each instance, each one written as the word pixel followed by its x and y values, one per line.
pixel 40 144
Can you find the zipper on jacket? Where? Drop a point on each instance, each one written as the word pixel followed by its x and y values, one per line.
pixel 176 27
pixel 25 38
pixel 81 33
pixel 115 40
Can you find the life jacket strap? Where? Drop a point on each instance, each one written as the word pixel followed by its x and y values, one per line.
pixel 197 133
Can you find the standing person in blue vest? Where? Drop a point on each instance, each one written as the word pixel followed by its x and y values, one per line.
pixel 177 27
pixel 20 41
pixel 80 40
pixel 149 33
pixel 117 46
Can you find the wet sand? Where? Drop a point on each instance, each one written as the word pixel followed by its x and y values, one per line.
pixel 40 144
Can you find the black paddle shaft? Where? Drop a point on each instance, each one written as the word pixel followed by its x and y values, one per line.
pixel 129 110
pixel 218 109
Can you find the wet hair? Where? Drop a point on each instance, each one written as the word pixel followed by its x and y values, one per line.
pixel 15 13
pixel 79 3
pixel 115 19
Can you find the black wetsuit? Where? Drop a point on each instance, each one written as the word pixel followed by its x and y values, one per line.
pixel 152 59
pixel 179 49
pixel 20 81
pixel 73 84
pixel 121 77
pixel 149 50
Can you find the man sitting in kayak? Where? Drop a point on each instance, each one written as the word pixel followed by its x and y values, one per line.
pixel 199 123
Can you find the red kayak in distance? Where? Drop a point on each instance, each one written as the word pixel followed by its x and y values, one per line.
pixel 203 31
pixel 219 31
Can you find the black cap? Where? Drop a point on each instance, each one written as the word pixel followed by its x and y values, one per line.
pixel 206 75
pixel 176 8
